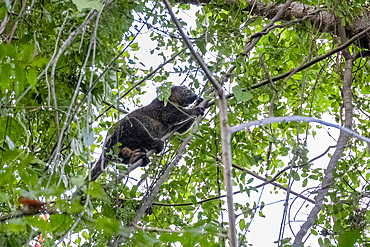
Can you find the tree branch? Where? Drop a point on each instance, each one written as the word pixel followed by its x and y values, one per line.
pixel 298 10
pixel 69 40
pixel 342 141
pixel 55 60
pixel 195 54
pixel 297 118
pixel 225 128
pixel 274 183
pixel 155 229
pixel 313 61
pixel 271 181
pixel 257 37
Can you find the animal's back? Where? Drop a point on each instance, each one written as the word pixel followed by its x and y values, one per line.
pixel 142 129
pixel 151 118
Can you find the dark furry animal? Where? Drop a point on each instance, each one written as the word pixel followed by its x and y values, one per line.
pixel 142 130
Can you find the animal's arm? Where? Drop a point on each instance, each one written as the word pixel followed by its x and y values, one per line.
pixel 175 115
pixel 181 119
pixel 185 126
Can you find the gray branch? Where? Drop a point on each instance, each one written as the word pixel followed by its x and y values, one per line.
pixel 293 119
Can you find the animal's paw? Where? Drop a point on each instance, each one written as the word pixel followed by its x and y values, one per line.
pixel 139 154
pixel 160 146
pixel 199 111
pixel 199 100
pixel 145 161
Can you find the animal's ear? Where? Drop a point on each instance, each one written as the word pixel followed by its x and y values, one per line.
pixel 164 92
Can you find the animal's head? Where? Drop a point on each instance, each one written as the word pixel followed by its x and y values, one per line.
pixel 182 96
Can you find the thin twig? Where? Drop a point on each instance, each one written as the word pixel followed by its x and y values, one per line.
pixel 155 229
pixel 141 81
pixel 255 38
pixel 195 54
pixel 20 15
pixel 70 38
pixel 314 61
pixel 68 115
pixel 271 181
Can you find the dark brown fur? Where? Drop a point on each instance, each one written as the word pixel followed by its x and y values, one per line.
pixel 142 129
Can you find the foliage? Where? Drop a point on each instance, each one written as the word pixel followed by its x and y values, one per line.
pixel 65 67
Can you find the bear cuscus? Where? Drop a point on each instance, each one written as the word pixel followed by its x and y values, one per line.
pixel 141 130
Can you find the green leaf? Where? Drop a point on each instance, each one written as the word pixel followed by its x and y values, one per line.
pixel 295 175
pixel 9 142
pixel 87 4
pixel 242 224
pixel 164 92
pixel 5 74
pixel 202 46
pixel 135 46
pixel 4 197
pixel 142 239
pixel 96 191
pixel 78 181
pixel 240 95
pixel 8 5
pixel 108 225
pixel 133 191
pixel 304 183
pixel 193 199
pixel 349 238
pixel 88 138
pixel 264 98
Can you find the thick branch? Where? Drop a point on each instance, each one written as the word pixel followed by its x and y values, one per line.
pixel 342 141
pixel 197 57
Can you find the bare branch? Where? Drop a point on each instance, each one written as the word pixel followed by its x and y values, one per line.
pixel 296 118
pixel 272 182
pixel 195 54
pixel 20 15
